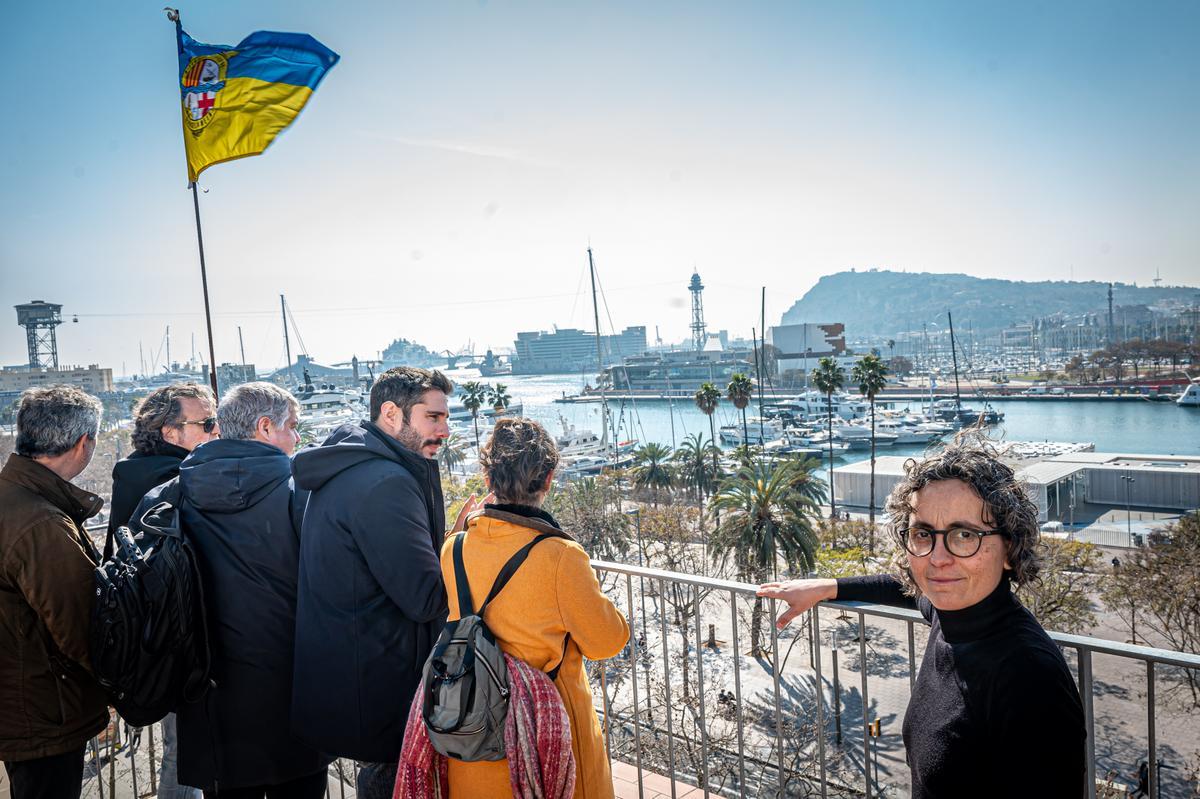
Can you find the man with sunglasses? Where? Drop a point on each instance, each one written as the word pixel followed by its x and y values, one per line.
pixel 993 703
pixel 167 425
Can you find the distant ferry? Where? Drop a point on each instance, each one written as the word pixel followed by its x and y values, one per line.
pixel 678 373
pixel 1191 395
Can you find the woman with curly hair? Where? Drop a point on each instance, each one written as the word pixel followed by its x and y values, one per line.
pixel 994 710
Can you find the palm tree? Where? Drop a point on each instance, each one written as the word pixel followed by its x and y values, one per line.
pixel 451 453
pixel 871 375
pixel 828 377
pixel 707 399
pixel 811 487
pixel 473 395
pixel 740 391
pixel 499 397
pixel 652 469
pixel 766 515
pixel 694 459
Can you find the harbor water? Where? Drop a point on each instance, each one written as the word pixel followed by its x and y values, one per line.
pixel 1158 428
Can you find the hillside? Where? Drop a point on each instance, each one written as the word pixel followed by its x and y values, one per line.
pixel 883 303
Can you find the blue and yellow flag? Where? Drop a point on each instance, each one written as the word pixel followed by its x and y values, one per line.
pixel 236 100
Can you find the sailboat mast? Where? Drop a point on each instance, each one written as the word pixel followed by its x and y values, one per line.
pixel 954 355
pixel 599 354
pixel 286 344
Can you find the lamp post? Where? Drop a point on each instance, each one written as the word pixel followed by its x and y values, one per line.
pixel 1129 480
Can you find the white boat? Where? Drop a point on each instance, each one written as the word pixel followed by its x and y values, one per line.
pixel 574 443
pixel 459 412
pixel 821 442
pixel 758 431
pixel 1191 395
pixel 905 433
pixel 590 465
pixel 859 435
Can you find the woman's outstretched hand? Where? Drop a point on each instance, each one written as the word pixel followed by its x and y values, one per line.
pixel 472 504
pixel 800 595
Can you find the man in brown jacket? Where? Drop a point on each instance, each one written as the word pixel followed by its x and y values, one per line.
pixel 50 705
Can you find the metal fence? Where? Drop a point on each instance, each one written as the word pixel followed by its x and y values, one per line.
pixel 774 754
pixel 779 731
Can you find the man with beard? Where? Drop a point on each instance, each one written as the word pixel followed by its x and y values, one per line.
pixel 371 600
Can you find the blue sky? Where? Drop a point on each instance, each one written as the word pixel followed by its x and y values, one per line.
pixel 448 175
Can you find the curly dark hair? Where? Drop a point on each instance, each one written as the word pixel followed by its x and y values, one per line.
pixel 161 408
pixel 973 459
pixel 517 459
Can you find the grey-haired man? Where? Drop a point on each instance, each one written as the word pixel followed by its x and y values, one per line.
pixel 50 705
pixel 238 508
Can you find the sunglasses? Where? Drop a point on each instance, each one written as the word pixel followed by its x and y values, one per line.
pixel 207 425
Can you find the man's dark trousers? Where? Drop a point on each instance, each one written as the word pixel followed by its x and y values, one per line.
pixel 54 777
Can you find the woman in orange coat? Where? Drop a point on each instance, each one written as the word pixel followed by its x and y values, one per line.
pixel 551 611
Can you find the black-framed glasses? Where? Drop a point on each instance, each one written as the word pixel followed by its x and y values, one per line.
pixel 961 542
pixel 207 425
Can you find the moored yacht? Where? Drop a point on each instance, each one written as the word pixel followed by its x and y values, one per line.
pixel 1191 395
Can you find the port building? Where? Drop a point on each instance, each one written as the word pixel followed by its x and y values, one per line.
pixel 570 350
pixel 1064 487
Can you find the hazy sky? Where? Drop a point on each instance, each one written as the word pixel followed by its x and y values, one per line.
pixel 445 180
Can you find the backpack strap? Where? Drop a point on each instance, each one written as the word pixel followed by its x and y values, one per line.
pixel 465 606
pixel 514 563
pixel 506 573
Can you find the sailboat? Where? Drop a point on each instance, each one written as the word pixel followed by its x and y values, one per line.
pixel 596 456
pixel 964 416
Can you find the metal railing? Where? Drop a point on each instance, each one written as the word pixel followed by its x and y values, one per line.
pixel 761 744
pixel 657 709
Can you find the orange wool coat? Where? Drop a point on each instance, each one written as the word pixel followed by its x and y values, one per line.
pixel 553 593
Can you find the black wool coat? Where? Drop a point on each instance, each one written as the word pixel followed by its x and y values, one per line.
pixel 371 597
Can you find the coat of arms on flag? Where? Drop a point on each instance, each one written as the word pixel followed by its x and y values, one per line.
pixel 202 79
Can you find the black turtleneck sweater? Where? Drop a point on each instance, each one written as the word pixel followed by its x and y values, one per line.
pixel 994 711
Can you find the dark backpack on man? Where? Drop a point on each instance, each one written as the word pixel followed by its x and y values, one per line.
pixel 465 681
pixel 149 640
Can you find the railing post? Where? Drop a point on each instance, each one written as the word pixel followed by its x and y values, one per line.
pixel 912 659
pixel 774 614
pixel 1152 741
pixel 819 693
pixel 604 693
pixel 700 694
pixel 662 621
pixel 153 768
pixel 862 668
pixel 633 664
pixel 99 767
pixel 1089 717
pixel 737 696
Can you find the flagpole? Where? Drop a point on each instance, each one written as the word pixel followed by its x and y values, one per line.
pixel 212 355
pixel 173 15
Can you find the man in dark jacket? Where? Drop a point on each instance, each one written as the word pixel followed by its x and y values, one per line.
pixel 238 508
pixel 168 424
pixel 371 599
pixel 50 705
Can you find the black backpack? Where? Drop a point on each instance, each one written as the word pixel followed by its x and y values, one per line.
pixel 149 641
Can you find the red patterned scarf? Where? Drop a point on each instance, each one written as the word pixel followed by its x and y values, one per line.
pixel 537 742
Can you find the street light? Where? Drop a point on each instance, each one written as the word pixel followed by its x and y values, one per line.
pixel 1129 480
